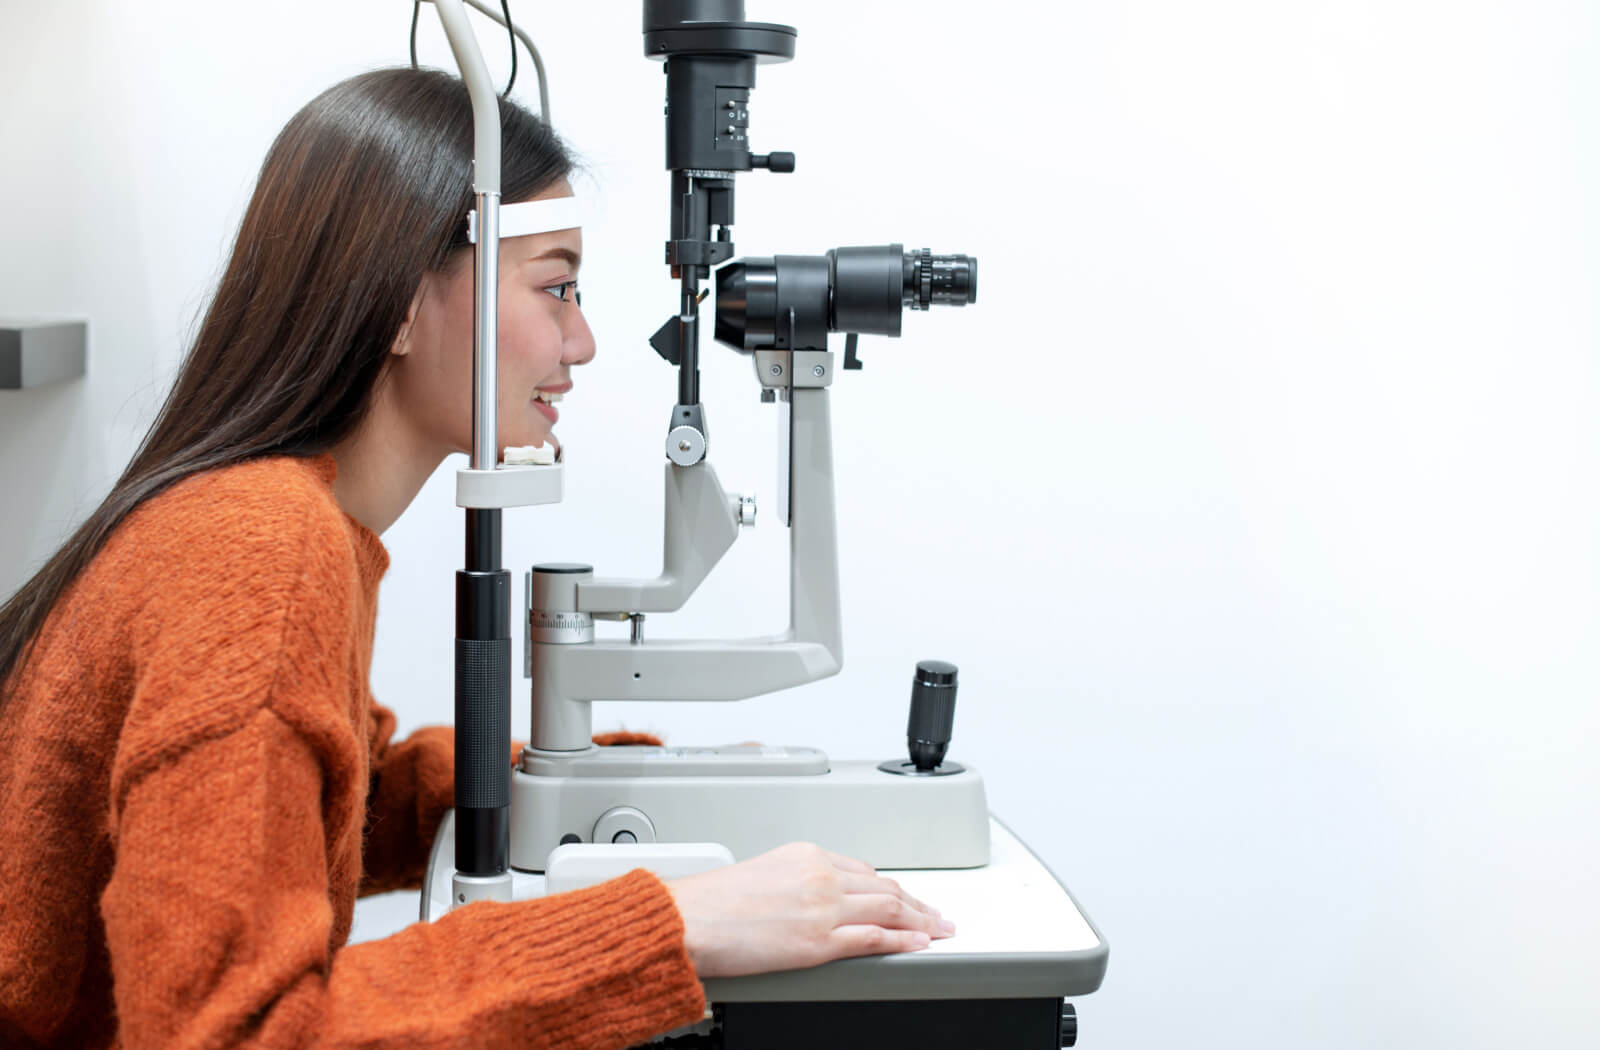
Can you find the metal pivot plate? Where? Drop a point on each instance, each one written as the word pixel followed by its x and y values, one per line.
pixel 786 369
pixel 686 446
pixel 906 768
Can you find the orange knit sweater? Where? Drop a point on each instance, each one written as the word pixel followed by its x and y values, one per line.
pixel 195 784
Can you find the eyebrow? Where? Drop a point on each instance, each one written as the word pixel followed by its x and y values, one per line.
pixel 572 258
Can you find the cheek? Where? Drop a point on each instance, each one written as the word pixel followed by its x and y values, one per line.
pixel 432 392
pixel 530 345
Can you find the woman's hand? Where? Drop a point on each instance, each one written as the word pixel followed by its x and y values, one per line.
pixel 797 906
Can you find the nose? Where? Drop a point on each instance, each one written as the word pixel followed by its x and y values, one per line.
pixel 577 340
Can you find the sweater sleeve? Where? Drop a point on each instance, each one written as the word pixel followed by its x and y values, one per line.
pixel 413 784
pixel 219 928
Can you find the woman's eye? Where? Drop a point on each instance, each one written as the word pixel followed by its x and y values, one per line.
pixel 559 291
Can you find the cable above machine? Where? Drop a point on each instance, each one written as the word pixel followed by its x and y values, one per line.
pixel 502 17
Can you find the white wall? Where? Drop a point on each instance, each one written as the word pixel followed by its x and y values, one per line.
pixel 1255 497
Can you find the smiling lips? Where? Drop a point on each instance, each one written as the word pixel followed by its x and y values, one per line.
pixel 545 401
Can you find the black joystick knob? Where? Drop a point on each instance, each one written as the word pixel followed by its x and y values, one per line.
pixel 780 162
pixel 933 712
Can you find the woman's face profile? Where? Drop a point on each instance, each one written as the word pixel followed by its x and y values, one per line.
pixel 542 335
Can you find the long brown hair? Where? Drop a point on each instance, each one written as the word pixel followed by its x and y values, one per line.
pixel 364 191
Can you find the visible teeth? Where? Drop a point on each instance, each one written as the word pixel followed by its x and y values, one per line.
pixel 546 396
pixel 537 455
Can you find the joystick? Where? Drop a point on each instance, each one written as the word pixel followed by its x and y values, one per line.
pixel 933 713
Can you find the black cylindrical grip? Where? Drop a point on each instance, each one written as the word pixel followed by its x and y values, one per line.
pixel 483 722
pixel 803 286
pixel 933 713
pixel 867 289
pixel 483 540
pixel 482 840
pixel 483 605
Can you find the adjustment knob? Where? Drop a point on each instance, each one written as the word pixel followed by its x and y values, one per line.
pixel 623 824
pixel 933 713
pixel 1069 1025
pixel 686 445
pixel 780 162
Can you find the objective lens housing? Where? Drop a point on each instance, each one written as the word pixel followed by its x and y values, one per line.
pixel 792 302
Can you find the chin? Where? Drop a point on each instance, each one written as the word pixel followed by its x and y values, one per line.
pixel 530 436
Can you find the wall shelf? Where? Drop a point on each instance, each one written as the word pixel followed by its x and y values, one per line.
pixel 38 353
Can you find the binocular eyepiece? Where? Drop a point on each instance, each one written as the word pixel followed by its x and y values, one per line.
pixel 792 302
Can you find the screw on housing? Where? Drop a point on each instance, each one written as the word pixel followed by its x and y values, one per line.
pixel 860 291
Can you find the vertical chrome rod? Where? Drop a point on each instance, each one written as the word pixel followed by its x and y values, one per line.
pixel 485 334
pixel 483 604
pixel 689 340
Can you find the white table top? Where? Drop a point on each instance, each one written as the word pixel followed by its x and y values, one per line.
pixel 1019 934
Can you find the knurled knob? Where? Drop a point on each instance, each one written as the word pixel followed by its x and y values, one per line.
pixel 933 713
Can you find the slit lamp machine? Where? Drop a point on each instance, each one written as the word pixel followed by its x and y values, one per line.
pixel 570 813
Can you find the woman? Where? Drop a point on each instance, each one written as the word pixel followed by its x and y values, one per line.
pixel 195 783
